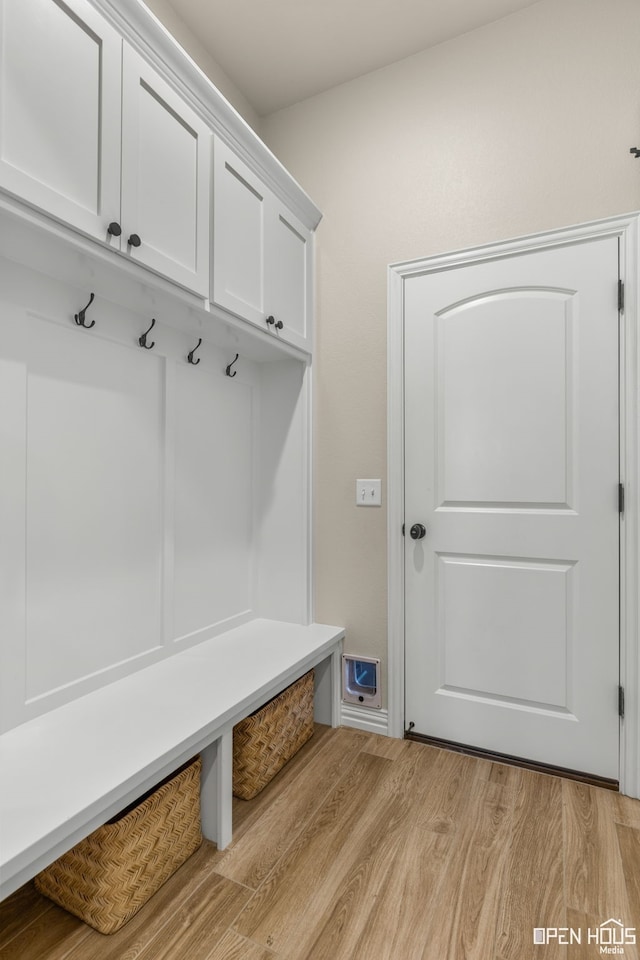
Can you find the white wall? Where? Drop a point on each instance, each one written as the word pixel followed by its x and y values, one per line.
pixel 521 126
pixel 166 14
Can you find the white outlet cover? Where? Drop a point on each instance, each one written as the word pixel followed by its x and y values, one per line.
pixel 369 493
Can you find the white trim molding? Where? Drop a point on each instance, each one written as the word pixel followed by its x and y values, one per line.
pixel 626 229
pixel 364 718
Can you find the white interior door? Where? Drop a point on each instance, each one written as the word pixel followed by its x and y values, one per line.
pixel 511 464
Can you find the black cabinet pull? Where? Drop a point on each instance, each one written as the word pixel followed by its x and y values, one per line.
pixel 134 240
pixel 114 229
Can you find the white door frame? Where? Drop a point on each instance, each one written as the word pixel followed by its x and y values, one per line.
pixel 626 228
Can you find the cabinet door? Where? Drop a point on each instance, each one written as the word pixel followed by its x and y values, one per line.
pixel 60 69
pixel 166 157
pixel 288 273
pixel 239 218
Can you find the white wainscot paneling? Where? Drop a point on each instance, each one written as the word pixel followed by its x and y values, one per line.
pixel 283 496
pixel 213 501
pixel 92 450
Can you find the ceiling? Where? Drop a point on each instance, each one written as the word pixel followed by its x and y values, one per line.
pixel 278 52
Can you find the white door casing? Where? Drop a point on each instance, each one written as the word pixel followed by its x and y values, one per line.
pixel 475 563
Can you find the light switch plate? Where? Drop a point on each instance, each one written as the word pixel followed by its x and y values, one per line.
pixel 369 493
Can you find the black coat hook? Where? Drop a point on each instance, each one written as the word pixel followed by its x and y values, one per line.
pixel 79 317
pixel 228 370
pixel 191 353
pixel 143 339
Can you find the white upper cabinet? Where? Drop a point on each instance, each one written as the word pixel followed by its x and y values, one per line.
pixel 60 70
pixel 288 270
pixel 261 265
pixel 239 216
pixel 108 128
pixel 79 106
pixel 166 151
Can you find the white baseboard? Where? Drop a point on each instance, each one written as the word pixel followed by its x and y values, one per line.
pixel 364 718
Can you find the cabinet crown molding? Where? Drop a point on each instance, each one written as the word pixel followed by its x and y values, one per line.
pixel 142 29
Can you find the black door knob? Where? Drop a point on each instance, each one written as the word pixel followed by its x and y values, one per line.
pixel 134 240
pixel 418 531
pixel 114 229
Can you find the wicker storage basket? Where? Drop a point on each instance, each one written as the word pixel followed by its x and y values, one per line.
pixel 109 875
pixel 263 742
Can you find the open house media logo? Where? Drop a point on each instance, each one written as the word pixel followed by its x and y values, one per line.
pixel 611 937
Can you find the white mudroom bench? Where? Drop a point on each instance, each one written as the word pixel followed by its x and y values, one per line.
pixel 68 771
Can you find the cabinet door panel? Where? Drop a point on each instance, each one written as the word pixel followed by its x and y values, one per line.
pixel 288 273
pixel 60 110
pixel 165 177
pixel 238 280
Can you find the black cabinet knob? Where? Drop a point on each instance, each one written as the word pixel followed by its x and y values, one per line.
pixel 134 240
pixel 271 321
pixel 279 325
pixel 418 531
pixel 114 229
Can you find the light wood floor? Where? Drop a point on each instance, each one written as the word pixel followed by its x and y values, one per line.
pixel 366 848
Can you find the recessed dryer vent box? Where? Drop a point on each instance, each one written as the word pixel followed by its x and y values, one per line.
pixel 361 680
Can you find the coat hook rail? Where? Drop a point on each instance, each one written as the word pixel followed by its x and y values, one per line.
pixel 228 370
pixel 191 353
pixel 142 340
pixel 80 316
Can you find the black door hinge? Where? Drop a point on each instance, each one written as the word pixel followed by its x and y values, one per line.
pixel 621 702
pixel 621 498
pixel 620 296
pixel 403 529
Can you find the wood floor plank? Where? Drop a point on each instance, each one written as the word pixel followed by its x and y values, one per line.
pixel 626 810
pixel 291 903
pixel 130 941
pixel 24 902
pixel 398 920
pixel 195 929
pixel 510 777
pixel 629 845
pixel 465 905
pixel 387 747
pixel 453 777
pixel 287 812
pixel 595 882
pixel 391 826
pixel 247 812
pixel 234 947
pixel 533 889
pixel 53 934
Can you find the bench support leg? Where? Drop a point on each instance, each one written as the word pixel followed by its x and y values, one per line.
pixel 327 691
pixel 216 791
